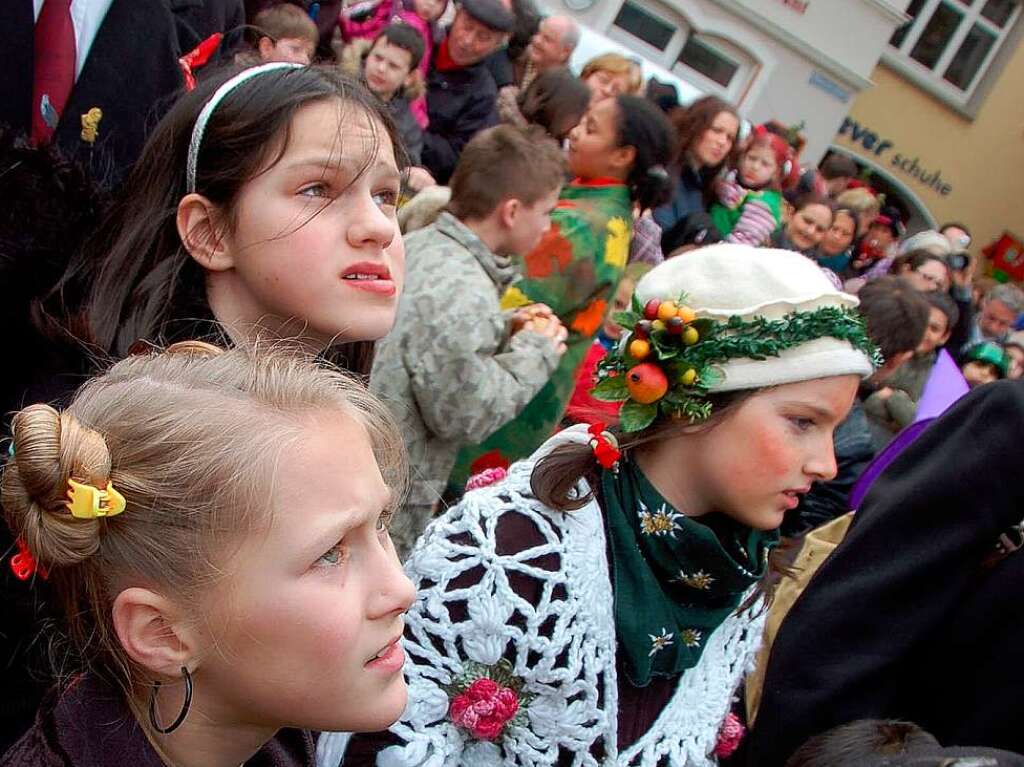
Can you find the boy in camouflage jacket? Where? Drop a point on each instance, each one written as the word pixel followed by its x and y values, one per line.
pixel 456 367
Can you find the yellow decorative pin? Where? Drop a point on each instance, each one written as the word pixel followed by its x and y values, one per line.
pixel 88 502
pixel 91 124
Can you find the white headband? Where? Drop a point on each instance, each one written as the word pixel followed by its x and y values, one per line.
pixel 215 99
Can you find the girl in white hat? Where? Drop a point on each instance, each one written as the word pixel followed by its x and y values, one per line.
pixel 601 604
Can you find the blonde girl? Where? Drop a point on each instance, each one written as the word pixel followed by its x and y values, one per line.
pixel 225 571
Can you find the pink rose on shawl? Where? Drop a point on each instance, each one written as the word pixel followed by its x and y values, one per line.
pixel 730 735
pixel 484 708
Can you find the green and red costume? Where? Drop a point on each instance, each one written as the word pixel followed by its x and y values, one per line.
pixel 575 269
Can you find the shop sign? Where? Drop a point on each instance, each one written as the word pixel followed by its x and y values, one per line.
pixel 901 161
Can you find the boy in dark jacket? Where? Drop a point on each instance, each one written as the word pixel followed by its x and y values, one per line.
pixel 389 68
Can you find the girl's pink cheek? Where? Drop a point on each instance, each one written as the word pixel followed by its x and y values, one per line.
pixel 772 453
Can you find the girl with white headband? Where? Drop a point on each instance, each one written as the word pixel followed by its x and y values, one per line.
pixel 601 604
pixel 263 202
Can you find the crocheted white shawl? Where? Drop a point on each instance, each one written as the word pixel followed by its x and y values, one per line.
pixel 562 646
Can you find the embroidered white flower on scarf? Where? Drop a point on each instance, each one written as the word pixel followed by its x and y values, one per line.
pixel 690 637
pixel 660 642
pixel 660 522
pixel 699 580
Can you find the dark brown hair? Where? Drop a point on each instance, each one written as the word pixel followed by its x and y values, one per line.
pixel 646 128
pixel 556 477
pixel 402 35
pixel 810 198
pixel 690 123
pixel 896 314
pixel 860 743
pixel 944 303
pixel 837 166
pixel 504 163
pixel 556 101
pixel 134 278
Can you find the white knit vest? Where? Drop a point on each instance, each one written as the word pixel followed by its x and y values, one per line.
pixel 563 646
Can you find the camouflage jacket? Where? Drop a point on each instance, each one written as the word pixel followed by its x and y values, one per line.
pixel 449 371
pixel 574 269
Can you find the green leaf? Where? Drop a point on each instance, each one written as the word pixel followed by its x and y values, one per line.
pixel 666 347
pixel 710 377
pixel 611 390
pixel 674 398
pixel 627 319
pixel 634 416
pixel 638 308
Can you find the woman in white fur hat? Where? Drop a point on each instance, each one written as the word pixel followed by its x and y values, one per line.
pixel 601 603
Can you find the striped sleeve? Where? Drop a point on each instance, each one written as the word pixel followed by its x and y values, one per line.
pixel 730 194
pixel 755 224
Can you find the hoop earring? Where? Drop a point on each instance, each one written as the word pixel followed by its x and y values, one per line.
pixel 184 706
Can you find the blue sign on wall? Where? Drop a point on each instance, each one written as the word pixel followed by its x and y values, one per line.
pixel 818 80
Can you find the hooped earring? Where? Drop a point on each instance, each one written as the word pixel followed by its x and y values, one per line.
pixel 184 706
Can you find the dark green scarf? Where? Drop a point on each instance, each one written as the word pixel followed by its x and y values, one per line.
pixel 676 579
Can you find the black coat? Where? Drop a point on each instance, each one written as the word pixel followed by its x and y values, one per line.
pixel 131 73
pixel 460 104
pixel 903 621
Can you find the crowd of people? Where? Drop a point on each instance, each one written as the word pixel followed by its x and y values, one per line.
pixel 384 391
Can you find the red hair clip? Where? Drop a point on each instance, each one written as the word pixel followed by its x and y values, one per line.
pixel 24 565
pixel 605 446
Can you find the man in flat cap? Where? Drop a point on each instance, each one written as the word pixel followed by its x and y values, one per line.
pixel 461 93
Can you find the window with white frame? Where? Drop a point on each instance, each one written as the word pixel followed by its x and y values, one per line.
pixel 953 42
pixel 712 64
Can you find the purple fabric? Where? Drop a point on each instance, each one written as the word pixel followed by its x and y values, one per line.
pixel 945 386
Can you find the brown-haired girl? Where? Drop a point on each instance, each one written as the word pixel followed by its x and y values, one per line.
pixel 264 201
pixel 224 570
pixel 705 136
pixel 592 608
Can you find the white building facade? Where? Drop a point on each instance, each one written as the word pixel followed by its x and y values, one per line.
pixel 796 61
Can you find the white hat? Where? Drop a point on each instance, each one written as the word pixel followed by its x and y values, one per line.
pixel 929 240
pixel 727 280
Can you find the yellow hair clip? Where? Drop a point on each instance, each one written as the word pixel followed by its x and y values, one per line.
pixel 91 124
pixel 88 502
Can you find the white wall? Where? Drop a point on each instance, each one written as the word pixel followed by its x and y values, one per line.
pixel 809 66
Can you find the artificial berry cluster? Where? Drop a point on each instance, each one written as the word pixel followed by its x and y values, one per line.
pixel 646 381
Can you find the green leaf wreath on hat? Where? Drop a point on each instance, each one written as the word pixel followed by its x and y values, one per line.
pixel 667 361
